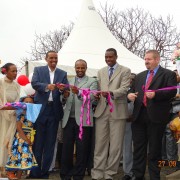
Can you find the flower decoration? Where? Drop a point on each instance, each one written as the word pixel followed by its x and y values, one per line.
pixel 174 126
pixel 176 53
pixel 3 70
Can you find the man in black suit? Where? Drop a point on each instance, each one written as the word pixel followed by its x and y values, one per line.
pixel 44 81
pixel 151 114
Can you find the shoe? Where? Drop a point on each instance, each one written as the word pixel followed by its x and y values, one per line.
pixel 11 175
pixel 126 177
pixel 135 178
pixel 88 172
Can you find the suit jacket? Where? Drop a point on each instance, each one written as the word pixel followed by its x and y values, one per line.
pixel 39 82
pixel 119 85
pixel 158 108
pixel 86 82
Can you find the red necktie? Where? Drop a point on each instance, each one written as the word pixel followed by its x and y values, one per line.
pixel 148 82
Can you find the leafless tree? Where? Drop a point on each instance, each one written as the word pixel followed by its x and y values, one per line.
pixel 50 41
pixel 163 36
pixel 139 31
pixel 129 26
pixel 135 28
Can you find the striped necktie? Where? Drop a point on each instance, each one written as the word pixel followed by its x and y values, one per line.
pixel 111 72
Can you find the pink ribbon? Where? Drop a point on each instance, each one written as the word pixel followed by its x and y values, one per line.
pixel 161 89
pixel 85 93
pixel 86 101
pixel 110 103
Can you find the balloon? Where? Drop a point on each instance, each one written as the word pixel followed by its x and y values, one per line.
pixel 22 80
pixel 28 89
pixel 30 77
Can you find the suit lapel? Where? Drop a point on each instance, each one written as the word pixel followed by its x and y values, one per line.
pixel 143 78
pixel 158 73
pixel 47 76
pixel 83 81
pixel 106 74
pixel 116 72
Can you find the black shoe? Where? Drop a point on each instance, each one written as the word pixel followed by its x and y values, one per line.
pixel 28 177
pixel 88 172
pixel 135 178
pixel 126 177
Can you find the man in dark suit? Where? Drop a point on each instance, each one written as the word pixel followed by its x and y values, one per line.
pixel 151 114
pixel 44 81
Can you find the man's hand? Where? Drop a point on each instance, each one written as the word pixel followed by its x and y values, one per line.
pixel 29 142
pixel 150 95
pixel 66 94
pixel 74 90
pixel 97 96
pixel 51 87
pixel 177 135
pixel 105 94
pixel 61 86
pixel 132 96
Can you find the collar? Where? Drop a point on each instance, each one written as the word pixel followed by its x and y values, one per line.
pixel 155 70
pixel 114 67
pixel 7 80
pixel 80 79
pixel 50 69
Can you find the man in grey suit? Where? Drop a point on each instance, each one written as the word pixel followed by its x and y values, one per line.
pixel 113 79
pixel 71 122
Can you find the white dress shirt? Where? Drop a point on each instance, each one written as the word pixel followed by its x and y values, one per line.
pixel 51 75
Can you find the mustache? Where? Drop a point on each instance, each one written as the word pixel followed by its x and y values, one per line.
pixel 146 63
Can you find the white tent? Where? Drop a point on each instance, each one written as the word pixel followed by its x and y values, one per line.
pixel 90 38
pixel 28 69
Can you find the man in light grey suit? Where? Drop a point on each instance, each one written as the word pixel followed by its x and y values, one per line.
pixel 113 79
pixel 71 122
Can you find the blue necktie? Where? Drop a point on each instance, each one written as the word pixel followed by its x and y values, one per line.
pixel 111 72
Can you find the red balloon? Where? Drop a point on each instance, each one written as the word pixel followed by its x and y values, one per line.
pixel 23 80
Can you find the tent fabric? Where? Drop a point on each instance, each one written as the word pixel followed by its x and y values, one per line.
pixel 69 69
pixel 89 40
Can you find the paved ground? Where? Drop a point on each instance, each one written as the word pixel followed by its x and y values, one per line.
pixel 164 172
pixel 167 173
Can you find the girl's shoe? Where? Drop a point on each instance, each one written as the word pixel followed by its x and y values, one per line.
pixel 11 175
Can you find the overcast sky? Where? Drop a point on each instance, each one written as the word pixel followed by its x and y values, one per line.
pixel 21 19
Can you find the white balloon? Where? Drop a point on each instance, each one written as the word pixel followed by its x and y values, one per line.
pixel 30 77
pixel 28 89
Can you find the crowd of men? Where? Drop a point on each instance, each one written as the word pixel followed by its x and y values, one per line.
pixel 149 118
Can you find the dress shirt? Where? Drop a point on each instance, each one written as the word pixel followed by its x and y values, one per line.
pixel 109 68
pixel 155 71
pixel 51 75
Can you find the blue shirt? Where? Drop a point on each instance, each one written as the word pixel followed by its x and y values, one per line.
pixel 155 71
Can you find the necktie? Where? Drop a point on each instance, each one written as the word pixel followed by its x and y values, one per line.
pixel 149 80
pixel 111 72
